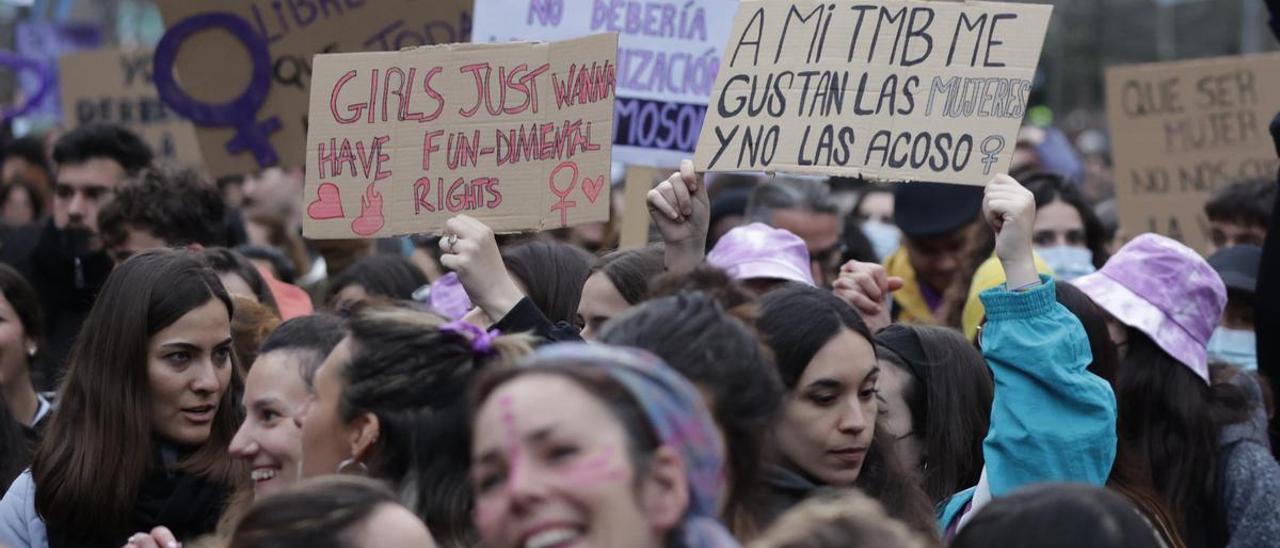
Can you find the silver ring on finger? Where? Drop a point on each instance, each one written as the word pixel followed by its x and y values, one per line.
pixel 452 240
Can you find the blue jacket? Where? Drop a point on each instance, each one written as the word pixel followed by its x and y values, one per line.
pixel 1051 419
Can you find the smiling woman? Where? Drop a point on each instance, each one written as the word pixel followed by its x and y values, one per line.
pixel 276 389
pixel 588 445
pixel 140 437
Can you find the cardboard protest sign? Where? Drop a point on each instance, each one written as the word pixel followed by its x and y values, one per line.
pixel 897 90
pixel 114 86
pixel 635 213
pixel 668 54
pixel 1182 130
pixel 240 69
pixel 515 135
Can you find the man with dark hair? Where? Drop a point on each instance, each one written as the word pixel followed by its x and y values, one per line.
pixel 1238 213
pixel 163 208
pixel 804 207
pixel 68 265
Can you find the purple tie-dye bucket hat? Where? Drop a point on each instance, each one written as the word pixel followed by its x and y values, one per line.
pixel 1165 290
pixel 758 250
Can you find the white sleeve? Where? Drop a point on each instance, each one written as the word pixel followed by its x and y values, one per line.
pixel 981 496
pixel 19 526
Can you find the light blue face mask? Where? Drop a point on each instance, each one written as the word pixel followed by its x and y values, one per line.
pixel 1068 262
pixel 884 237
pixel 1237 347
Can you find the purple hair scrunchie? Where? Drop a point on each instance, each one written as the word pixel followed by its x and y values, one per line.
pixel 481 340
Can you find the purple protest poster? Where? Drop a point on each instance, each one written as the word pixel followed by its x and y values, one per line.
pixel 668 56
pixel 44 42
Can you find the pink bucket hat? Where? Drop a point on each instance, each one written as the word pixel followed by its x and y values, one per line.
pixel 1165 290
pixel 758 250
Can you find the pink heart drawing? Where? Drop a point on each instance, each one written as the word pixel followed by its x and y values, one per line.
pixel 370 220
pixel 592 187
pixel 328 203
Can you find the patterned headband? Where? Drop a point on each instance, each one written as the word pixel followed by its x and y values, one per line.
pixel 680 419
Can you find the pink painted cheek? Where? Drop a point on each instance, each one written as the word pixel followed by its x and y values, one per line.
pixel 604 467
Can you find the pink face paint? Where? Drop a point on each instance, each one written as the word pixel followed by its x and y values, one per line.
pixel 596 469
pixel 488 515
pixel 513 440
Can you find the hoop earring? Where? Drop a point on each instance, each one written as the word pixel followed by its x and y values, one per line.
pixel 353 467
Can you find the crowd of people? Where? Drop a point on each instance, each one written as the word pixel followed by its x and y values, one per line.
pixel 792 362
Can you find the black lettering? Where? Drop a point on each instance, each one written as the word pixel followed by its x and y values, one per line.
pixel 724 142
pixel 921 32
pixel 991 38
pixel 756 21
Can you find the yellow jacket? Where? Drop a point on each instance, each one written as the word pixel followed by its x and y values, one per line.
pixel 912 307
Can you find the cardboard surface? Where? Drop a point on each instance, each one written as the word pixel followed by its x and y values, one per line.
pixel 114 86
pixel 215 65
pixel 668 54
pixel 635 214
pixel 899 90
pixel 515 135
pixel 1179 131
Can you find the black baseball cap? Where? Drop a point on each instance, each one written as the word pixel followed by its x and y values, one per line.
pixel 1238 266
pixel 925 210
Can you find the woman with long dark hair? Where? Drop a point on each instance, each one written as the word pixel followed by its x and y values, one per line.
pixel 1164 301
pixel 936 392
pixel 276 388
pixel 145 415
pixel 827 432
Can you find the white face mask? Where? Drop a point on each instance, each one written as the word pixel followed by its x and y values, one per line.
pixel 1068 262
pixel 1238 347
pixel 884 237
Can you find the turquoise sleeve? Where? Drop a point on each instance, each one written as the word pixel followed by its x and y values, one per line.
pixel 1051 420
